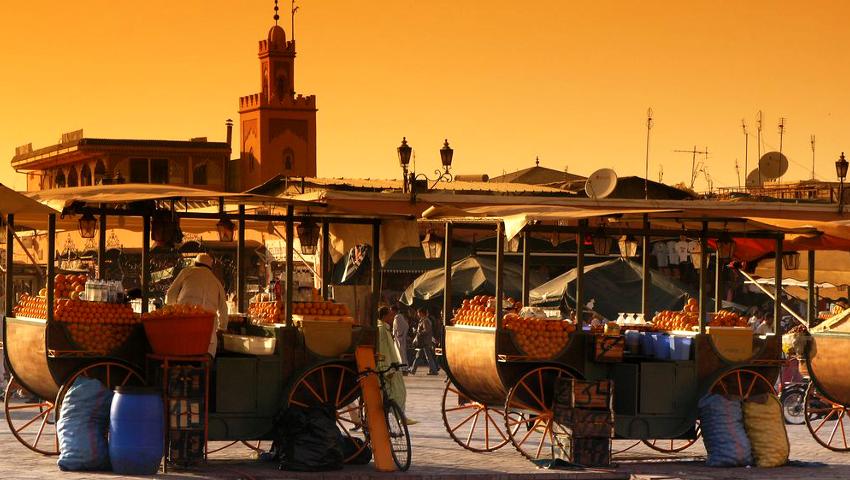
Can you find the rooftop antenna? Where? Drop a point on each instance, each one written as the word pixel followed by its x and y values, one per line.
pixel 292 16
pixel 746 151
pixel 537 161
pixel 738 173
pixel 693 153
pixel 758 122
pixel 660 173
pixel 276 16
pixel 812 140
pixel 646 161
pixel 781 134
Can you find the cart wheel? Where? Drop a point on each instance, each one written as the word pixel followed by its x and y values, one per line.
pixel 111 375
pixel 529 420
pixel 673 445
pixel 472 425
pixel 32 423
pixel 335 386
pixel 826 420
pixel 742 383
pixel 625 448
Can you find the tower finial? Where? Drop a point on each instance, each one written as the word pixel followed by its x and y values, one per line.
pixel 276 16
pixel 537 160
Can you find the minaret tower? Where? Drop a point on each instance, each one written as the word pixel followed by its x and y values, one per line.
pixel 278 126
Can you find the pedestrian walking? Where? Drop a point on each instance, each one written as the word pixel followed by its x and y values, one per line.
pixel 423 343
pixel 400 328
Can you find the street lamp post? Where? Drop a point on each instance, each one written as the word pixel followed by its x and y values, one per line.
pixel 841 171
pixel 410 178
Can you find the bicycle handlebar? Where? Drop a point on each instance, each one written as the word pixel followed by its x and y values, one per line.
pixel 369 371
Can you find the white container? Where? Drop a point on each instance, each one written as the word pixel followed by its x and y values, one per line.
pixel 249 344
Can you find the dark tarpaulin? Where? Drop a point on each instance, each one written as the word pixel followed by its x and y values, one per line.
pixel 616 286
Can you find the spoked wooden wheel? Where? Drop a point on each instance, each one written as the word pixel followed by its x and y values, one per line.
pixel 827 421
pixel 110 374
pixel 529 419
pixel 673 445
pixel 742 384
pixel 472 425
pixel 335 386
pixel 32 421
pixel 625 447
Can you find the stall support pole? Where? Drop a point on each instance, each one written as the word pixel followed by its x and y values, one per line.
pixel 9 285
pixel 647 273
pixel 325 260
pixel 812 305
pixel 777 302
pixel 582 228
pixel 718 282
pixel 240 261
pixel 101 246
pixel 526 257
pixel 290 268
pixel 703 277
pixel 51 264
pixel 146 259
pixel 447 279
pixel 500 265
pixel 376 273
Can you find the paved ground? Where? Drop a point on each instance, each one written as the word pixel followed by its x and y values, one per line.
pixel 436 456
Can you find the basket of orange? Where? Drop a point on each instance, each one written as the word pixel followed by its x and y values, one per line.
pixel 97 327
pixel 179 330
pixel 539 338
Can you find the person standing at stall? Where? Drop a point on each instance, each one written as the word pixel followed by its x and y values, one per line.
pixel 400 331
pixel 198 285
pixel 387 355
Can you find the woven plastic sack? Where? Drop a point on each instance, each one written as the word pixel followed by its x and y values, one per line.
pixel 723 434
pixel 766 431
pixel 83 426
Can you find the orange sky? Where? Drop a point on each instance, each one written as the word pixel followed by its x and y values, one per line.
pixel 566 80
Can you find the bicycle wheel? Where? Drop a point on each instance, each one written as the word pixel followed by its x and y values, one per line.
pixel 399 436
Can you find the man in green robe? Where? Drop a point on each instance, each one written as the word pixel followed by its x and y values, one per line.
pixel 387 355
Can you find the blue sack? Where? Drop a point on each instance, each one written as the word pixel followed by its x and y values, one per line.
pixel 723 433
pixel 83 426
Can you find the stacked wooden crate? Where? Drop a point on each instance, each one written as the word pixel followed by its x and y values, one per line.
pixel 585 411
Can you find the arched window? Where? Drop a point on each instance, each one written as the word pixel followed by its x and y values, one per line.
pixel 60 180
pixel 99 172
pixel 288 159
pixel 72 177
pixel 85 176
pixel 251 159
pixel 199 174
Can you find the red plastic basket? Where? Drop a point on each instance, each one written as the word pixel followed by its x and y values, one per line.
pixel 179 335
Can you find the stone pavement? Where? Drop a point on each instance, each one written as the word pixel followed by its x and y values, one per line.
pixel 435 455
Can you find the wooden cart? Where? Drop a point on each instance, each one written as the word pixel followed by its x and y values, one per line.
pixel 828 395
pixel 498 395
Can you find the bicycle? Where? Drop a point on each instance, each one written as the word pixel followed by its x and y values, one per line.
pixel 396 425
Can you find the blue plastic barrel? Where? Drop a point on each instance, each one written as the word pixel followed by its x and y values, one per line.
pixel 136 435
pixel 662 346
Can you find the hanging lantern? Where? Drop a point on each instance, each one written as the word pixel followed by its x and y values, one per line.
pixel 791 260
pixel 88 225
pixel 163 227
pixel 225 229
pixel 601 242
pixel 308 236
pixel 725 246
pixel 432 245
pixel 628 246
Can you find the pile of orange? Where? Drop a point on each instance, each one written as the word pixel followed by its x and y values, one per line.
pixel 319 308
pixel 688 318
pixel 96 326
pixel 725 318
pixel 179 311
pixel 69 286
pixel 273 312
pixel 539 337
pixel 29 306
pixel 266 312
pixel 480 311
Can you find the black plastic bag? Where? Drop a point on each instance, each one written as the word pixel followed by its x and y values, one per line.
pixel 350 446
pixel 310 440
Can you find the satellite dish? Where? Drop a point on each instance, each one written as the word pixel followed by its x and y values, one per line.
pixel 600 183
pixel 773 165
pixel 754 179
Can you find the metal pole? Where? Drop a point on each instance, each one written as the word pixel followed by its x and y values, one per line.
pixel 582 228
pixel 290 268
pixel 325 260
pixel 51 264
pixel 240 260
pixel 647 274
pixel 10 265
pixel 146 260
pixel 101 246
pixel 718 282
pixel 777 302
pixel 526 257
pixel 703 278
pixel 376 272
pixel 447 277
pixel 500 266
pixel 812 299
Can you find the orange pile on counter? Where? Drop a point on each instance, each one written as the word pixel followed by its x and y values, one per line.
pixel 725 318
pixel 689 318
pixel 68 286
pixel 266 312
pixel 29 306
pixel 480 311
pixel 320 308
pixel 539 337
pixel 273 312
pixel 96 326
